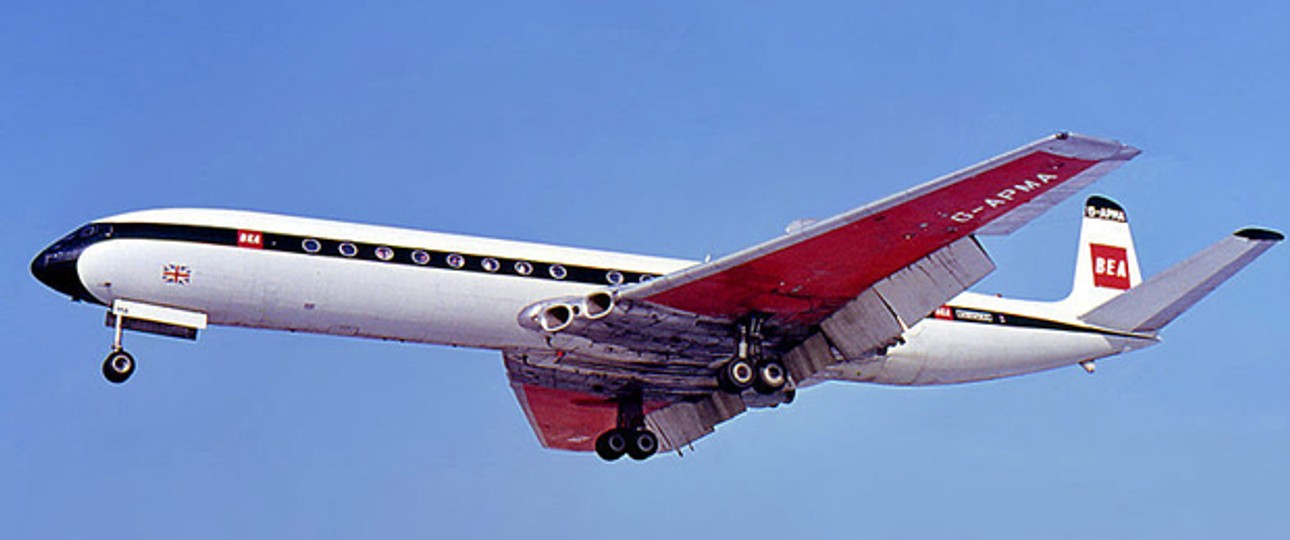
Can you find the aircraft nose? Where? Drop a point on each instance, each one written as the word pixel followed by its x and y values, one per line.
pixel 56 268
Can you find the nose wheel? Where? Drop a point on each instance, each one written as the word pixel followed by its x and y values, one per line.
pixel 118 366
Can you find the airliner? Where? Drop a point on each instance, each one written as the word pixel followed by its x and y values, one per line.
pixel 630 355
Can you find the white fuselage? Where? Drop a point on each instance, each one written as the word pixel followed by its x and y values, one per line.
pixel 327 293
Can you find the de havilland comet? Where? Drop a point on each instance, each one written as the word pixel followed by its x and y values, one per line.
pixel 630 355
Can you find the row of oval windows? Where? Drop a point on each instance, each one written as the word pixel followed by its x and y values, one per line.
pixel 457 260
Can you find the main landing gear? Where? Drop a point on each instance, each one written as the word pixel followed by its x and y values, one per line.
pixel 630 438
pixel 119 365
pixel 749 368
pixel 639 443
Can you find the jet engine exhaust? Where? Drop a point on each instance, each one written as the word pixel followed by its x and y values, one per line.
pixel 597 305
pixel 556 317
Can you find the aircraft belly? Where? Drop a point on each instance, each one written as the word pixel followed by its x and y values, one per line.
pixel 947 352
pixel 283 291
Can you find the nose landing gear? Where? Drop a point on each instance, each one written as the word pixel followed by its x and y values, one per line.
pixel 119 364
pixel 147 318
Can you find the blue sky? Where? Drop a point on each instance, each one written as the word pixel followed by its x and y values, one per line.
pixel 671 128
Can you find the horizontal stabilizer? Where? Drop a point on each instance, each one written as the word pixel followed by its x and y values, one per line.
pixel 1158 301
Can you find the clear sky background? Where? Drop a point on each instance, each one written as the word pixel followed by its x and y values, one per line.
pixel 669 128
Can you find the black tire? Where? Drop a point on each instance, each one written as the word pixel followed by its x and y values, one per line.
pixel 118 367
pixel 736 376
pixel 612 444
pixel 643 444
pixel 771 377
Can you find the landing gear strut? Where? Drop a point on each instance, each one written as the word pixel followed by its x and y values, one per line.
pixel 630 438
pixel 749 368
pixel 119 364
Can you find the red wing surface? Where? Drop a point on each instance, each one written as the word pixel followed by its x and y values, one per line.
pixel 802 278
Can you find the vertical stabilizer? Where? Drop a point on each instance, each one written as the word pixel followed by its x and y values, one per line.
pixel 1107 264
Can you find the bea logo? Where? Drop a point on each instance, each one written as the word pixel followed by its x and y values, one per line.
pixel 250 239
pixel 1110 266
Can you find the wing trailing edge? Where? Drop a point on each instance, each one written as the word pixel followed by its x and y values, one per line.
pixel 876 318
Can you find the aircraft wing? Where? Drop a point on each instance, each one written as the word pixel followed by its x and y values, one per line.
pixel 806 276
pixel 843 288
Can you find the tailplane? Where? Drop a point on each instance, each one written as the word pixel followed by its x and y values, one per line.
pixel 1161 299
pixel 1107 264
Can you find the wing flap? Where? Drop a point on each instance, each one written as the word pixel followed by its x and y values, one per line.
pixel 914 291
pixel 684 422
pixel 876 318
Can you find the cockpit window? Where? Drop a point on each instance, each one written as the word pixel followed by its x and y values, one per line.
pixel 82 235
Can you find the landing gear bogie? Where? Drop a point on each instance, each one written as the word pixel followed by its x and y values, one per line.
pixel 630 437
pixel 749 367
pixel 638 443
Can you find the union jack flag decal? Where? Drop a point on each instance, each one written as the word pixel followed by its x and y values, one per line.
pixel 176 274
